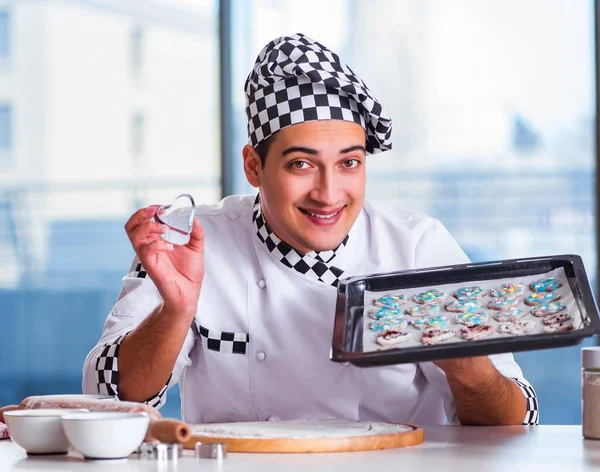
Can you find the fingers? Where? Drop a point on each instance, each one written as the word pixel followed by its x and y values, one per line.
pixel 140 217
pixel 197 236
pixel 145 232
pixel 154 247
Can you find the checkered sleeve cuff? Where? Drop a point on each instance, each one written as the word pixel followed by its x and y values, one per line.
pixel 532 416
pixel 107 371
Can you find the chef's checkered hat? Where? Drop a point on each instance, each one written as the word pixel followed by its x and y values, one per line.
pixel 296 79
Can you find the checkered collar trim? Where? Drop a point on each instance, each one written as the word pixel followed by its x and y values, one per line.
pixel 314 264
pixel 296 79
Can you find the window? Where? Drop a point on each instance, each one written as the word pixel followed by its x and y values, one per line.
pixel 63 251
pixel 6 133
pixel 5 35
pixel 136 51
pixel 493 106
pixel 137 138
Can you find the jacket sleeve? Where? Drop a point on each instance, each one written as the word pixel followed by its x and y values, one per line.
pixel 438 248
pixel 138 299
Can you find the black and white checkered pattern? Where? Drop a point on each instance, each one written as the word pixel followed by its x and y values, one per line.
pixel 532 417
pixel 107 371
pixel 139 272
pixel 224 341
pixel 296 79
pixel 314 264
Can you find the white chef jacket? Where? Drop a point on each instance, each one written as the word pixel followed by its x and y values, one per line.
pixel 282 322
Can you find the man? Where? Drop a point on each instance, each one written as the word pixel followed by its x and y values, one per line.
pixel 242 316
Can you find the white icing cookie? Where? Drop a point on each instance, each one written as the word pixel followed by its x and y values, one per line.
pixel 436 335
pixel 558 328
pixel 517 327
pixel 474 332
pixel 392 337
pixel 556 319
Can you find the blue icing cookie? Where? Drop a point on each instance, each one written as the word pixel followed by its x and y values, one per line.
pixel 424 310
pixel 548 309
pixel 469 293
pixel 541 298
pixel 430 296
pixel 503 303
pixel 507 290
pixel 464 306
pixel 390 301
pixel 472 318
pixel 430 322
pixel 545 285
pixel 384 313
pixel 383 324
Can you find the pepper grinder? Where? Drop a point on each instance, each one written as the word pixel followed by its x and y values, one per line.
pixel 590 379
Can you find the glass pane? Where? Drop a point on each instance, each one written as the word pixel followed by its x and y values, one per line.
pixel 91 144
pixel 493 105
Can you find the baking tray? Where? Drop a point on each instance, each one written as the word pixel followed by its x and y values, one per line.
pixel 351 333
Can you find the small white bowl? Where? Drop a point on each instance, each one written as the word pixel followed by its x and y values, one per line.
pixel 105 435
pixel 39 431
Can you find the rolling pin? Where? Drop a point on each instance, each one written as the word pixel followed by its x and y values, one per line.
pixel 169 431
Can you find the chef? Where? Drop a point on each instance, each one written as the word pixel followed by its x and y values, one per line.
pixel 242 315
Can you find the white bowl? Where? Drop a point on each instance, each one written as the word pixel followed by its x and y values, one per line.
pixel 39 431
pixel 105 435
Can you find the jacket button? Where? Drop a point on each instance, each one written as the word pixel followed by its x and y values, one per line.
pixel 261 356
pixel 261 283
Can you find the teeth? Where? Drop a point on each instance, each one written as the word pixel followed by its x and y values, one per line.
pixel 323 217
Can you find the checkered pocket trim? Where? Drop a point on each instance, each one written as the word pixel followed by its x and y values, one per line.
pixel 224 341
pixel 532 417
pixel 107 371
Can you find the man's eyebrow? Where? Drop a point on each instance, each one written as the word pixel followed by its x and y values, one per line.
pixel 314 152
pixel 353 148
pixel 304 150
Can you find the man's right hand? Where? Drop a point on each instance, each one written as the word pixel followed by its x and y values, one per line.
pixel 177 271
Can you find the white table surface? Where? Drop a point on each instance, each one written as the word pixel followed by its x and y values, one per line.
pixel 453 448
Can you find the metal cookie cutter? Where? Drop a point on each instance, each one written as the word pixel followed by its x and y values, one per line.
pixel 211 450
pixel 161 451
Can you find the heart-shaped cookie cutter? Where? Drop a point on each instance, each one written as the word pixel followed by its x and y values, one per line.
pixel 179 219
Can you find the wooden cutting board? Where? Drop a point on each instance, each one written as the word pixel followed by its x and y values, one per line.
pixel 302 436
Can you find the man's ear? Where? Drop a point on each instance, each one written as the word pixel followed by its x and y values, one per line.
pixel 252 165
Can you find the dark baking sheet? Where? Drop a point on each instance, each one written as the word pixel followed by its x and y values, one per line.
pixel 347 345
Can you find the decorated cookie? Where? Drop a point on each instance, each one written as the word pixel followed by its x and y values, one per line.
pixel 541 298
pixel 545 285
pixel 472 318
pixel 512 314
pixel 517 328
pixel 424 310
pixel 558 328
pixel 464 306
pixel 556 319
pixel 469 293
pixel 430 296
pixel 429 322
pixel 383 324
pixel 507 290
pixel 436 335
pixel 392 337
pixel 474 332
pixel 385 313
pixel 391 301
pixel 548 309
pixel 503 303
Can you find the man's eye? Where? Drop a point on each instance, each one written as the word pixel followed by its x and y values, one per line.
pixel 299 165
pixel 351 163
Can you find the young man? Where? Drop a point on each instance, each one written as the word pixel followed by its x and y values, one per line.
pixel 242 316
